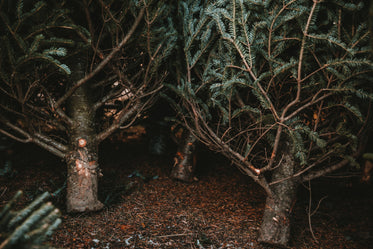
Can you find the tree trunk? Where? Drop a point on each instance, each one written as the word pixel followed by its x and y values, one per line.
pixel 275 228
pixel 82 164
pixel 185 160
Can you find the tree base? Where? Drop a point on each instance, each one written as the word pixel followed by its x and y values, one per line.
pixel 185 160
pixel 86 208
pixel 182 173
pixel 275 228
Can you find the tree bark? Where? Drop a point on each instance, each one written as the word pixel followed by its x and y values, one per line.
pixel 185 160
pixel 275 228
pixel 82 164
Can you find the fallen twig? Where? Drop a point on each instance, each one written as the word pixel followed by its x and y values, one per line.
pixel 174 235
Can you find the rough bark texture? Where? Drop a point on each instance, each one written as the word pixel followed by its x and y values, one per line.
pixel 185 160
pixel 83 170
pixel 275 228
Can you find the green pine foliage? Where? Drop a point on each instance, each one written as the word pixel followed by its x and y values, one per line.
pixel 260 71
pixel 36 39
pixel 32 34
pixel 30 226
pixel 158 37
pixel 42 40
pixel 143 63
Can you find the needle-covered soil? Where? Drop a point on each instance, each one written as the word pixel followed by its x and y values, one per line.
pixel 223 209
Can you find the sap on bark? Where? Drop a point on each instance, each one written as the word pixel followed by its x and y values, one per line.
pixel 82 166
pixel 367 167
pixel 82 184
pixel 185 159
pixel 82 142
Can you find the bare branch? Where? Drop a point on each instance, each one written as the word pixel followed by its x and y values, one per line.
pixel 316 174
pixel 30 139
pixel 52 142
pixel 237 158
pixel 126 115
pixel 300 60
pixel 18 139
pixel 103 63
pixel 49 148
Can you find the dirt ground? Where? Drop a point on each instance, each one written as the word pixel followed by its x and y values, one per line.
pixel 223 209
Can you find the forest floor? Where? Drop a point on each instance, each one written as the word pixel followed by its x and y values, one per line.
pixel 223 209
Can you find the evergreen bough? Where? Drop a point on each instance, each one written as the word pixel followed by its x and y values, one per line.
pixel 256 71
pixel 30 226
pixel 273 84
pixel 78 71
pixel 36 39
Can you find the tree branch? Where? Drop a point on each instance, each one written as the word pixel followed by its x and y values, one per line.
pixel 316 174
pixel 321 172
pixel 300 60
pixel 54 148
pixel 127 114
pixel 102 63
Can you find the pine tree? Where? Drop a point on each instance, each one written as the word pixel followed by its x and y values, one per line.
pixel 277 87
pixel 74 72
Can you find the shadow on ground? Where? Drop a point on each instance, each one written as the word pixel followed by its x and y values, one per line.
pixel 223 209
